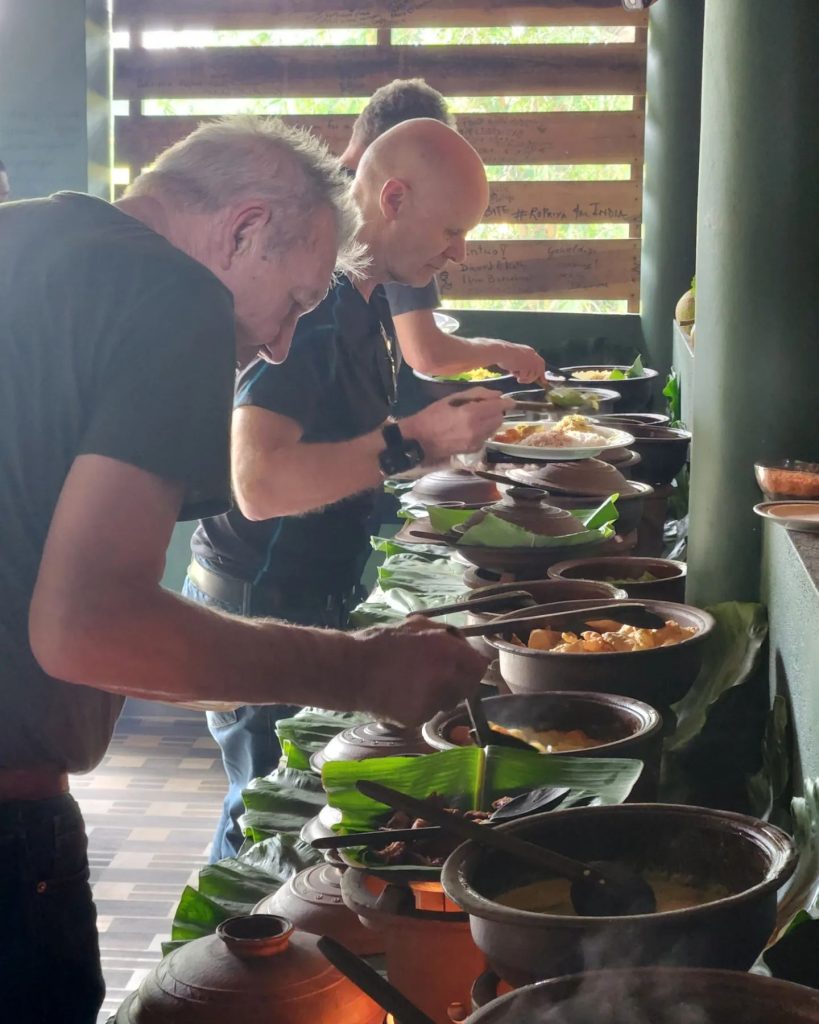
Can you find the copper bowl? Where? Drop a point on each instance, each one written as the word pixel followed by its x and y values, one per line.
pixel 789 478
pixel 668 584
pixel 623 727
pixel 662 995
pixel 751 859
pixel 659 676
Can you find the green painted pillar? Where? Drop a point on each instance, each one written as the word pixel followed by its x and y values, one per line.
pixel 54 78
pixel 756 362
pixel 672 144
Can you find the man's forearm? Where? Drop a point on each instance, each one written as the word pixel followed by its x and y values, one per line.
pixel 159 646
pixel 303 477
pixel 449 353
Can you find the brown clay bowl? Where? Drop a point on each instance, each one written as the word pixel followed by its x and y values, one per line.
pixel 624 459
pixel 623 727
pixel 603 401
pixel 751 859
pixel 624 420
pixel 446 485
pixel 629 505
pixel 541 591
pixel 636 393
pixel 371 739
pixel 660 676
pixel 668 585
pixel 662 995
pixel 663 452
pixel 523 561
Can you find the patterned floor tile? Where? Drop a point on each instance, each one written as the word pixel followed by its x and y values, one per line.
pixel 150 810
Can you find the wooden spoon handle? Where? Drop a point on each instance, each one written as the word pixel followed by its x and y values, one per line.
pixel 537 856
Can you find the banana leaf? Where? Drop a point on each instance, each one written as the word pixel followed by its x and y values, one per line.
pixel 469 778
pixel 281 802
pixel 493 531
pixel 635 370
pixel 716 753
pixel 309 731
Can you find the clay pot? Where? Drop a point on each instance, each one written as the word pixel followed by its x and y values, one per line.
pixel 604 401
pixel 669 584
pixel 624 459
pixel 660 676
pixel 312 901
pixel 445 485
pixel 253 969
pixel 623 727
pixel 630 505
pixel 662 995
pixel 531 510
pixel 430 955
pixel 663 452
pixel 592 477
pixel 636 393
pixel 751 859
pixel 371 739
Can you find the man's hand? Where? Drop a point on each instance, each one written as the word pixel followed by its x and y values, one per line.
pixel 457 424
pixel 523 362
pixel 416 669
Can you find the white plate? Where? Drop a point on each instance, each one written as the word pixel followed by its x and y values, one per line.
pixel 614 439
pixel 793 515
pixel 444 322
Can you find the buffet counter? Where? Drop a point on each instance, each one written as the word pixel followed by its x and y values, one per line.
pixel 790 589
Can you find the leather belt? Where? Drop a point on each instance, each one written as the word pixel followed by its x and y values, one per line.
pixel 31 784
pixel 267 599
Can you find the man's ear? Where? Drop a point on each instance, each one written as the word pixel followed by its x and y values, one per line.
pixel 244 230
pixel 394 197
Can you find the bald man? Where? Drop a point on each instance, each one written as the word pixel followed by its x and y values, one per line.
pixel 312 438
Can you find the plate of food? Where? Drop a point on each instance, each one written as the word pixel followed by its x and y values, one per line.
pixel 572 437
pixel 802 516
pixel 479 375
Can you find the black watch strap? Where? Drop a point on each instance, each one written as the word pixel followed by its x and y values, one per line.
pixel 400 453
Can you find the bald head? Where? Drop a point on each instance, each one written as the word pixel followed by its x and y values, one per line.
pixel 421 188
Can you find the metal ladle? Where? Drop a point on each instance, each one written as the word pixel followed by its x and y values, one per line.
pixel 599 888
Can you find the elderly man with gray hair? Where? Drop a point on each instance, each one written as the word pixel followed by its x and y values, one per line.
pixel 122 327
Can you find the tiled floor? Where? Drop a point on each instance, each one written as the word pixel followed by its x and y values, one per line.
pixel 150 809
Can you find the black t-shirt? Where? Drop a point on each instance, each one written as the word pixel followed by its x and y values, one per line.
pixel 112 342
pixel 337 383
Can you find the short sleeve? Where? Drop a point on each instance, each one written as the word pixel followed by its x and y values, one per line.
pixel 403 298
pixel 165 393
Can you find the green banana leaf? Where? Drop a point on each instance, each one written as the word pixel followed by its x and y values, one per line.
pixel 565 398
pixel 309 731
pixel 493 531
pixel 635 370
pixel 469 778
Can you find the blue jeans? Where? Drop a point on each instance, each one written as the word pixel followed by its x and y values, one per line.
pixel 49 956
pixel 249 745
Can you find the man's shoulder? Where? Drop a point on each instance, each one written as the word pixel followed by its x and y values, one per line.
pixel 404 298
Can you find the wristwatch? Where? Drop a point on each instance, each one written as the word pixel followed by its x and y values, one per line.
pixel 401 453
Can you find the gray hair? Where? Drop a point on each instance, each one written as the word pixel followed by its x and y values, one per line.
pixel 241 157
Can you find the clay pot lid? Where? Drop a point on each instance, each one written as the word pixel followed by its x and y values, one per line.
pixel 529 509
pixel 370 739
pixel 592 477
pixel 312 900
pixel 451 485
pixel 621 458
pixel 255 967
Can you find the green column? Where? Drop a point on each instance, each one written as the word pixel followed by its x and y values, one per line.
pixel 756 362
pixel 45 85
pixel 672 143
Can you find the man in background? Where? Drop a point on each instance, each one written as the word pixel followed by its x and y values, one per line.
pixel 423 344
pixel 313 438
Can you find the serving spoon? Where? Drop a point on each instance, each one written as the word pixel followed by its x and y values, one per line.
pixel 629 613
pixel 598 889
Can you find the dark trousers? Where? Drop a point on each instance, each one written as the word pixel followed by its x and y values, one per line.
pixel 49 953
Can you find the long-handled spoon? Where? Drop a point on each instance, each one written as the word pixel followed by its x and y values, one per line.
pixel 599 889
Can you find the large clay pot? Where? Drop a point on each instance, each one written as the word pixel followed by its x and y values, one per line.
pixel 253 969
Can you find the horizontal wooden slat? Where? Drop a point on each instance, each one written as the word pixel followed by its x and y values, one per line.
pixel 563 202
pixel 260 14
pixel 500 138
pixel 546 270
pixel 358 70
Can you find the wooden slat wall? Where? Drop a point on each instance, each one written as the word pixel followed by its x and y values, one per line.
pixel 601 269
